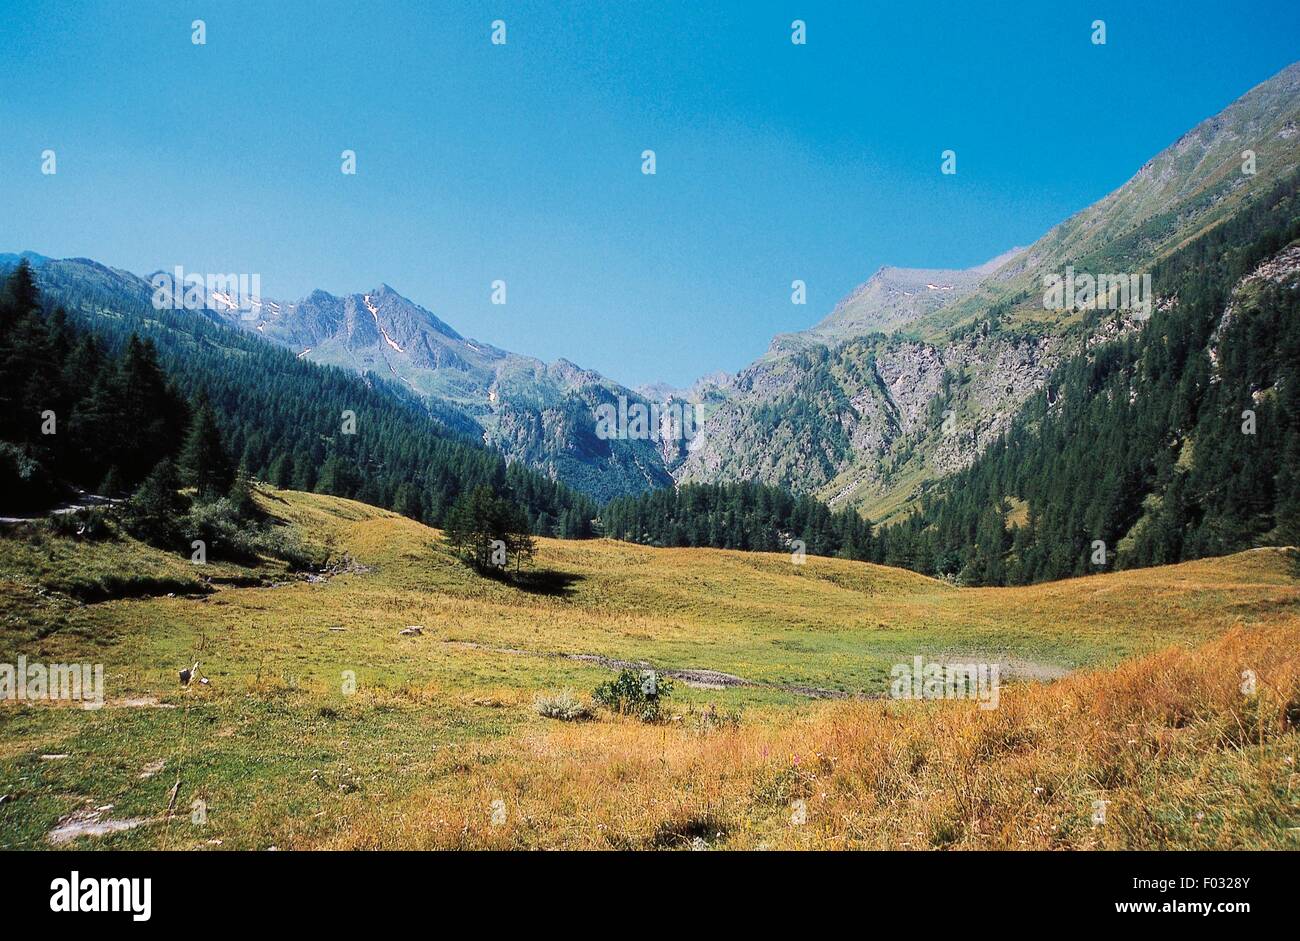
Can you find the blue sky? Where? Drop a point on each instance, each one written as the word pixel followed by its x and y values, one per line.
pixel 523 162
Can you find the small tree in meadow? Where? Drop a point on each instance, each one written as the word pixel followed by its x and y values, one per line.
pixel 481 527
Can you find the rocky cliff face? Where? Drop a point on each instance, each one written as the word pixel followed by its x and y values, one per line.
pixel 844 423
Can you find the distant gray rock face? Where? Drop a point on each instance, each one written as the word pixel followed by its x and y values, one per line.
pixel 539 413
pixel 840 423
pixel 892 298
pixel 543 414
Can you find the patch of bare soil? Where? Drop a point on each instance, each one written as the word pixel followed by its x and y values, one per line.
pixel 697 678
pixel 138 702
pixel 92 822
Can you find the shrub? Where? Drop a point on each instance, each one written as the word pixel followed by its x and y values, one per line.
pixel 154 512
pixel 231 535
pixel 25 482
pixel 283 543
pixel 563 705
pixel 222 531
pixel 83 523
pixel 635 693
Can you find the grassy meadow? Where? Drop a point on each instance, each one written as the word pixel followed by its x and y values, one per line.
pixel 1123 688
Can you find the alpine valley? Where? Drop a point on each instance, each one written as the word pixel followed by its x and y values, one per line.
pixel 1005 557
pixel 904 384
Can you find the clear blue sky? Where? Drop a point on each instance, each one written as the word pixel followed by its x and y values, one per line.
pixel 522 162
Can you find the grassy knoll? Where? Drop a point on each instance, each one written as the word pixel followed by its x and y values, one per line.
pixel 442 724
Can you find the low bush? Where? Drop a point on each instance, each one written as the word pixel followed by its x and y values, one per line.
pixel 25 481
pixel 230 535
pixel 84 523
pixel 563 705
pixel 712 719
pixel 635 693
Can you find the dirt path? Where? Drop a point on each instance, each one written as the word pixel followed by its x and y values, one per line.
pixel 715 679
pixel 697 678
pixel 84 501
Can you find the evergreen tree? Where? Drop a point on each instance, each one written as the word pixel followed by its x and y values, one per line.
pixel 155 510
pixel 482 525
pixel 204 464
pixel 282 471
pixel 407 500
pixel 240 496
pixel 21 297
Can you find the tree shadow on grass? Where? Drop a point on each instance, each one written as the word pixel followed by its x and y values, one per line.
pixel 536 581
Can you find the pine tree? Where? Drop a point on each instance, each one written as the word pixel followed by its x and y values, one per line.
pixel 282 471
pixel 407 500
pixel 241 495
pixel 112 484
pixel 155 510
pixel 147 405
pixel 480 523
pixel 337 477
pixel 204 464
pixel 22 297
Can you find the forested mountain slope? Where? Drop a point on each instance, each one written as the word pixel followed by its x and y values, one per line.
pixel 121 377
pixel 539 414
pixel 1176 442
pixel 1156 443
pixel 864 419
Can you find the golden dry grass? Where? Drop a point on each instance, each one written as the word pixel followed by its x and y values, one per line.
pixel 1182 757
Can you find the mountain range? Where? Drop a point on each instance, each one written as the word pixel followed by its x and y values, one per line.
pixel 917 372
pixel 535 412
pixel 909 378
